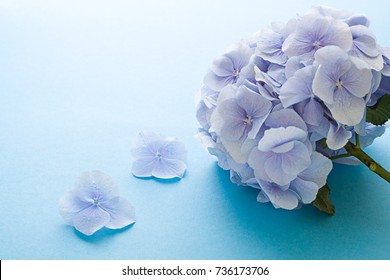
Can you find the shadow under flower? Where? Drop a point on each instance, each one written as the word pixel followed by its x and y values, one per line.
pixel 160 180
pixel 243 200
pixel 102 234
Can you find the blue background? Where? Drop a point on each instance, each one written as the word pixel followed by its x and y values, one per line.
pixel 80 79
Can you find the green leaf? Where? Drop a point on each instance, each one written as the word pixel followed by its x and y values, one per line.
pixel 380 112
pixel 323 143
pixel 322 201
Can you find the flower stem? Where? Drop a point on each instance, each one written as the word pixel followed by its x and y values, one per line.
pixel 358 153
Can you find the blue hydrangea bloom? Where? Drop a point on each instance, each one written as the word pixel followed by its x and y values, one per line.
pixel 227 67
pixel 270 42
pixel 284 163
pixel 342 84
pixel 313 33
pixel 243 115
pixel 270 104
pixel 364 47
pixel 158 156
pixel 95 203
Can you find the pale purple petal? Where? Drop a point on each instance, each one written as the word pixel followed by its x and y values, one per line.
pixel 233 117
pixel 358 20
pixel 91 219
pixel 372 132
pixel 330 55
pixel 174 149
pixel 203 115
pixel 275 137
pixel 143 167
pixel 293 65
pixel 318 170
pixel 146 144
pixel 324 85
pixel 121 213
pixel 269 46
pixel 306 190
pixel 276 74
pixel 385 51
pixel 337 137
pixel 296 160
pixel 242 174
pixel 254 104
pixel 222 66
pixel 257 160
pixel 169 168
pixel 357 81
pixel 339 35
pixel 274 171
pixel 279 198
pixel 221 155
pixel 313 113
pixel 95 185
pixel 346 108
pixel 298 87
pixel 239 150
pixel 364 47
pixel 262 197
pixel 285 118
pixel 216 82
pixel 256 126
pixel 320 131
pixel 70 204
pixel 360 128
pixel 206 139
pixel 239 54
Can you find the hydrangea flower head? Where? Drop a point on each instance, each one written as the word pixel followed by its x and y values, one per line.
pixel 95 203
pixel 301 95
pixel 158 156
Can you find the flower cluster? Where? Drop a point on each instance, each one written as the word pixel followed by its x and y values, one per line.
pixel 276 106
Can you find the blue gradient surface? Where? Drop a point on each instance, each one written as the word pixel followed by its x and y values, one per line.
pixel 80 79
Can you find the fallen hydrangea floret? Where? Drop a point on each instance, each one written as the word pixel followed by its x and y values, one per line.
pixel 158 156
pixel 95 203
pixel 277 108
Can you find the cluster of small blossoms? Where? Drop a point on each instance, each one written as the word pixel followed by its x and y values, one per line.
pixel 276 106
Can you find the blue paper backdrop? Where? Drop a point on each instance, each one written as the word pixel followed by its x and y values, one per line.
pixel 80 79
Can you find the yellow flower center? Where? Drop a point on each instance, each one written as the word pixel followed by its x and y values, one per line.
pixel 339 84
pixel 248 120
